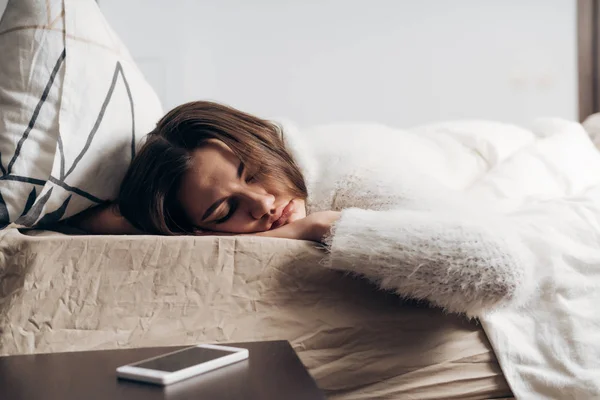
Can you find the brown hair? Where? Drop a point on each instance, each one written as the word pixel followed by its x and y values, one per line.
pixel 148 193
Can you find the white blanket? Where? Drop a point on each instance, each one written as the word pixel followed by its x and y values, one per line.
pixel 548 180
pixel 542 187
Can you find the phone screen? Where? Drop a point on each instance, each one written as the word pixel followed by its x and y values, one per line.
pixel 183 359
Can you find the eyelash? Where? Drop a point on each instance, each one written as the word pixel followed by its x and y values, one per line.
pixel 232 208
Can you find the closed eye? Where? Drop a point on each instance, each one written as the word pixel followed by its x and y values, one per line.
pixel 232 208
pixel 242 170
pixel 250 175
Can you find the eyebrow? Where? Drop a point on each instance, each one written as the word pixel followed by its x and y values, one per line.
pixel 216 204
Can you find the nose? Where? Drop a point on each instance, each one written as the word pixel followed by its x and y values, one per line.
pixel 261 204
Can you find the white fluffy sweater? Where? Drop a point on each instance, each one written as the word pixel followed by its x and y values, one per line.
pixel 403 229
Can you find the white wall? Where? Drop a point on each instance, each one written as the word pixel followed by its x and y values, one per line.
pixel 399 62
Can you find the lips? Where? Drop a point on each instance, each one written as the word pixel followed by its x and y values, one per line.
pixel 285 215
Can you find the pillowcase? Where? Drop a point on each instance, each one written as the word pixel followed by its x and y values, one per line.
pixel 73 108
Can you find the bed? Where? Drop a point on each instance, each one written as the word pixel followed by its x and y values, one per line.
pixel 74 292
pixel 66 292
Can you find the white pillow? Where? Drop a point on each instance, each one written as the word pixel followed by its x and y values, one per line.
pixel 73 106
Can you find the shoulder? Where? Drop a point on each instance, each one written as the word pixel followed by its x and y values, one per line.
pixel 301 148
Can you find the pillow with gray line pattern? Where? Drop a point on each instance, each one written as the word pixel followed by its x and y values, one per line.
pixel 73 108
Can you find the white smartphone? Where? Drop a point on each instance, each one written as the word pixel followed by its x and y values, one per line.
pixel 182 364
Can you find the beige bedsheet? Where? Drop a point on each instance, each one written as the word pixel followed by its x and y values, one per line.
pixel 64 293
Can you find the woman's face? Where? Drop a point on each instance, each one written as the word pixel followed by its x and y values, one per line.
pixel 219 194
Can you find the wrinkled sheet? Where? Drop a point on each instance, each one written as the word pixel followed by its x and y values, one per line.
pixel 68 293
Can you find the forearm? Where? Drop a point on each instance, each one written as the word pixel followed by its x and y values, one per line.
pixel 461 263
pixel 314 227
pixel 103 220
pixel 290 231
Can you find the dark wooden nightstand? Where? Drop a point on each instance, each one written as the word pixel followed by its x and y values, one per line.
pixel 272 371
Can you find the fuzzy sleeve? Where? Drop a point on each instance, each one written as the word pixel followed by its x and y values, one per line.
pixel 464 264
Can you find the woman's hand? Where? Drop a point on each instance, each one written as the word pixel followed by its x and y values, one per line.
pixel 104 219
pixel 314 227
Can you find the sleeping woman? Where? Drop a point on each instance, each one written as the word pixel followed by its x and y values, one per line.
pixel 209 169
